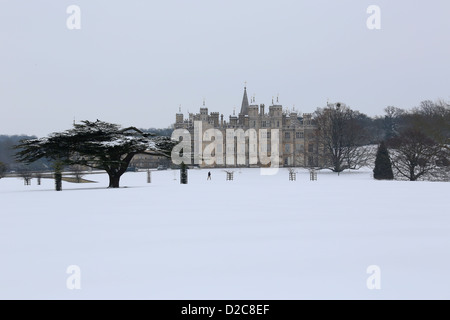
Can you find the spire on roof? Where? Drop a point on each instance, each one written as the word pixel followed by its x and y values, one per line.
pixel 244 106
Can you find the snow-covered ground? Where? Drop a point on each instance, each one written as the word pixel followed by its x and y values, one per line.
pixel 257 237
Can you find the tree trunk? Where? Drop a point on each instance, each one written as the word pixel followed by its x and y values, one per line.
pixel 58 181
pixel 58 176
pixel 412 176
pixel 115 172
pixel 114 180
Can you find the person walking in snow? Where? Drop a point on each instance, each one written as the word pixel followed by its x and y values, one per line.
pixel 209 175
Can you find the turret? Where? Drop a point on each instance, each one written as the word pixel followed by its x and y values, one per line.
pixel 179 118
pixel 244 106
pixel 215 119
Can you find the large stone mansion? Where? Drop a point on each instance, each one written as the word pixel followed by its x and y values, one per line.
pixel 297 144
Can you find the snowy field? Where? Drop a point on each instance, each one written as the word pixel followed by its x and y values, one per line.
pixel 257 237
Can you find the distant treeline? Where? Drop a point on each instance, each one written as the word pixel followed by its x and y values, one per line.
pixel 431 117
pixel 160 132
pixel 7 152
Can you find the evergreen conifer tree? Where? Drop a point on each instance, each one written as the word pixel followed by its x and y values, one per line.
pixel 383 168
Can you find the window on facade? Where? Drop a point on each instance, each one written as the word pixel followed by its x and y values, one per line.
pixel 287 135
pixel 310 147
pixel 286 161
pixel 268 134
pixel 264 148
pixel 299 147
pixel 287 148
pixel 278 123
pixel 299 135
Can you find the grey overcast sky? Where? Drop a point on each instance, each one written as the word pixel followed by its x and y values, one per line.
pixel 134 62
